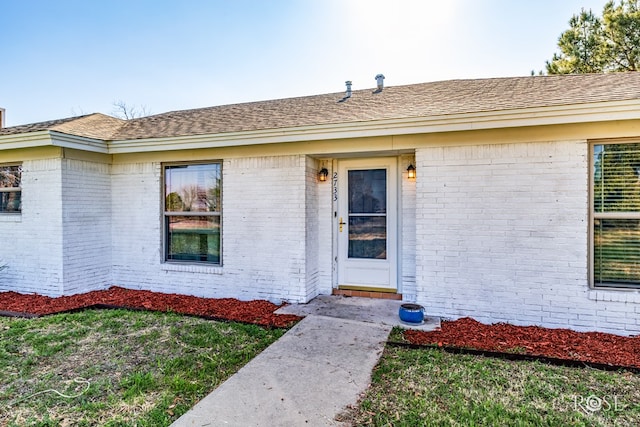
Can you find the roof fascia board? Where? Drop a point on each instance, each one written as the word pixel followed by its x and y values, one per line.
pixel 540 116
pixel 52 138
pixel 79 142
pixel 25 140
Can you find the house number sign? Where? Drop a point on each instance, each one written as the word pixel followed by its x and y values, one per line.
pixel 335 186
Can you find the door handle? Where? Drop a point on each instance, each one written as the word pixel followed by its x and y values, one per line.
pixel 341 223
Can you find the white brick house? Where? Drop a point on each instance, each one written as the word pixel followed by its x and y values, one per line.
pixel 525 207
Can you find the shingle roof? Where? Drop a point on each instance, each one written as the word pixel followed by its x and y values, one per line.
pixel 35 127
pixel 394 102
pixel 98 126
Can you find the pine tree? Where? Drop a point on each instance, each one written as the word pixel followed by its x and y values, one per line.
pixel 595 44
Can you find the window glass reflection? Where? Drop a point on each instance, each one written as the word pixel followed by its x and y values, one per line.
pixel 194 238
pixel 192 188
pixel 368 237
pixel 368 191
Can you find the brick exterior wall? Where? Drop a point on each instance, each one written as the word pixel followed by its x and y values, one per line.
pixel 325 218
pixel 311 230
pixel 61 243
pixel 265 214
pixel 32 241
pixel 407 246
pixel 264 226
pixel 502 234
pixel 496 232
pixel 136 226
pixel 86 221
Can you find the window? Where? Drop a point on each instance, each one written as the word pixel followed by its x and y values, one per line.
pixel 192 212
pixel 616 215
pixel 10 189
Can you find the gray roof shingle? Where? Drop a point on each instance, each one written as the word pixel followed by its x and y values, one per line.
pixel 97 126
pixel 395 102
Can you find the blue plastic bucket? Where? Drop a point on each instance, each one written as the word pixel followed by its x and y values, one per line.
pixel 411 313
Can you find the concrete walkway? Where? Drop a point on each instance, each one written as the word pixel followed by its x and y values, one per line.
pixel 369 310
pixel 311 373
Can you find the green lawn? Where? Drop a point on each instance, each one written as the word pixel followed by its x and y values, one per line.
pixel 116 367
pixel 424 387
pixel 124 368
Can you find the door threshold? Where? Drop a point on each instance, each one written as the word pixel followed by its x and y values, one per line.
pixel 367 294
pixel 368 289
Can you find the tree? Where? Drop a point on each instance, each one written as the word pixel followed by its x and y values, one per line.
pixel 126 112
pixel 596 45
pixel 622 24
pixel 189 195
pixel 174 202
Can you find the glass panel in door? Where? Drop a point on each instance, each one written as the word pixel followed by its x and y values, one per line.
pixel 367 214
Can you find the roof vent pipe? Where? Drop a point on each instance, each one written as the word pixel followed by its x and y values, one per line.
pixel 379 82
pixel 347 94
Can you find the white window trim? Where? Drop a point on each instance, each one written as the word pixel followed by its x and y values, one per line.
pixel 180 265
pixel 597 291
pixel 12 215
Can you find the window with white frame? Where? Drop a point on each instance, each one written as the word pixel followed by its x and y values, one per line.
pixel 616 215
pixel 193 212
pixel 10 189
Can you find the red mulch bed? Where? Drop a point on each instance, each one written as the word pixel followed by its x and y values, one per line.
pixel 587 347
pixel 257 312
pixel 465 333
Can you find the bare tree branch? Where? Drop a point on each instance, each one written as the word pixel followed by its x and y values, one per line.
pixel 126 112
pixel 80 112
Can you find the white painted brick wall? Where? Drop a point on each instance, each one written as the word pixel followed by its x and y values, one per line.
pixel 325 218
pixel 110 229
pixel 311 232
pixel 86 216
pixel 408 232
pixel 135 231
pixel 264 236
pixel 263 232
pixel 32 242
pixel 502 235
pixel 60 244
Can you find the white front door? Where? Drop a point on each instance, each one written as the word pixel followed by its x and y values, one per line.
pixel 367 223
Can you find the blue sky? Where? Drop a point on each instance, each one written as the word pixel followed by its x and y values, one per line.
pixel 61 58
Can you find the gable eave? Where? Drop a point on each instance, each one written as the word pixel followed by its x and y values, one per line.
pixel 25 140
pixel 79 142
pixel 51 138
